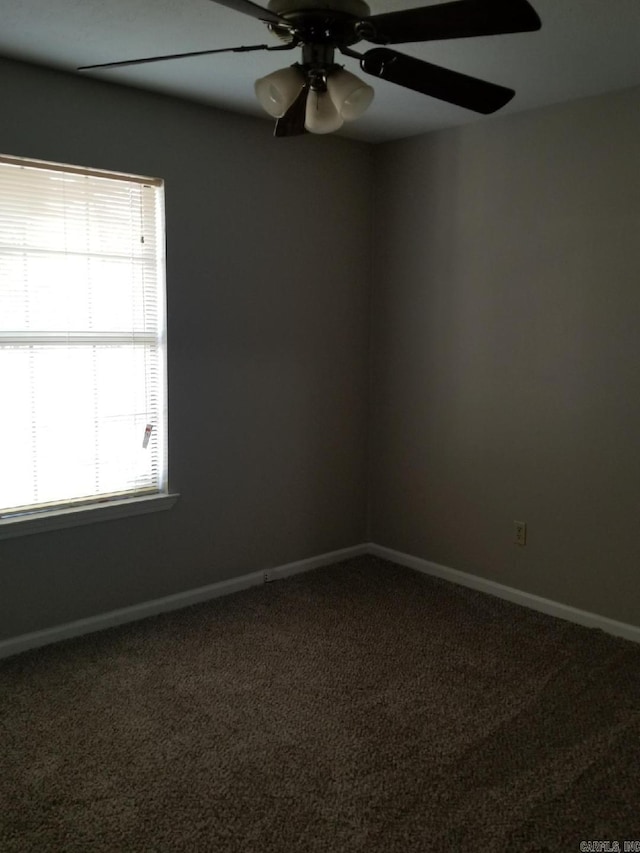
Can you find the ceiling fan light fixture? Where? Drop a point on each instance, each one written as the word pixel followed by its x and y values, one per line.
pixel 317 95
pixel 349 94
pixel 277 91
pixel 321 114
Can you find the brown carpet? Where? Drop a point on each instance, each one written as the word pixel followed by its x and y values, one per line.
pixel 361 707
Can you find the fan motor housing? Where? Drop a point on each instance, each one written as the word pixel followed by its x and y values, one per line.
pixel 318 21
pixel 355 8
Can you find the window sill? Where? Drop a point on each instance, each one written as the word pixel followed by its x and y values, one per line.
pixel 76 516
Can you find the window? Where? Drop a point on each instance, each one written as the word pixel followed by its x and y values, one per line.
pixel 82 339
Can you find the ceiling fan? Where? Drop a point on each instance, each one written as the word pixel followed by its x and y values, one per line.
pixel 317 95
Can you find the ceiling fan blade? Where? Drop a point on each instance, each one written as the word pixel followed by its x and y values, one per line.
pixel 450 86
pixel 292 122
pixel 248 8
pixel 242 49
pixel 458 19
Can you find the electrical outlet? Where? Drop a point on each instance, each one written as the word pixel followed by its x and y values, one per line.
pixel 520 532
pixel 267 576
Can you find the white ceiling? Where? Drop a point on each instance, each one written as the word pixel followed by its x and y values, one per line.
pixel 585 47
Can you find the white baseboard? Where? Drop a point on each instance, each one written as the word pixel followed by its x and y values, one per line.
pixel 24 642
pixel 517 596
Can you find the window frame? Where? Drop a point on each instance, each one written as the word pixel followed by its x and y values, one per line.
pixel 89 509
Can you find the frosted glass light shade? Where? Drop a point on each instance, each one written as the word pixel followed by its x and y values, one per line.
pixel 277 91
pixel 349 94
pixel 321 115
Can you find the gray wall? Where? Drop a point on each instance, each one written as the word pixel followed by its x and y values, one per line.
pixel 505 368
pixel 268 279
pixel 506 351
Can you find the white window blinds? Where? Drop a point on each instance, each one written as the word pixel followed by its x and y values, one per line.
pixel 82 337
